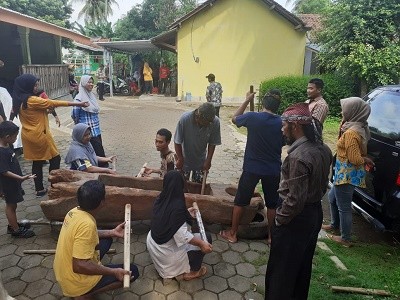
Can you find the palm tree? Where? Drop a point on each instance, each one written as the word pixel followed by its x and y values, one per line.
pixel 96 11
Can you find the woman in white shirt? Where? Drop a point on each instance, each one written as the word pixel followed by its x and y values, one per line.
pixel 170 242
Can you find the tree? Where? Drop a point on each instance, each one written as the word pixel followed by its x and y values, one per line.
pixel 56 12
pixel 96 11
pixel 309 6
pixel 360 38
pixel 95 30
pixel 150 18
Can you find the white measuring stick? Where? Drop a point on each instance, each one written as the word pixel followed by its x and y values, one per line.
pixel 127 245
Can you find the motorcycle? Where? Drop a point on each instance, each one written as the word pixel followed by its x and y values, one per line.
pixel 120 88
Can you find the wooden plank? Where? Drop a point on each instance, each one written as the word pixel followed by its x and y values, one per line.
pixel 127 245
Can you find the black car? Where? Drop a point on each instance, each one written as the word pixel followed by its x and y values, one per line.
pixel 379 202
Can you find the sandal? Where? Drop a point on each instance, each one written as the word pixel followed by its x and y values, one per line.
pixel 339 240
pixel 41 193
pixel 226 236
pixel 23 233
pixel 10 230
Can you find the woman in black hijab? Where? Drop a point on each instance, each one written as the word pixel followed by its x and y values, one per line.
pixel 170 242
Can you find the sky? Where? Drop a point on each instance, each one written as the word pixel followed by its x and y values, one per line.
pixel 126 5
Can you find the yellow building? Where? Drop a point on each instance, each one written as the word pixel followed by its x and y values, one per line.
pixel 242 42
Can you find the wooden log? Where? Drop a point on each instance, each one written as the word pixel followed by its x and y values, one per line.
pixel 141 172
pixel 356 290
pixel 127 245
pixel 53 251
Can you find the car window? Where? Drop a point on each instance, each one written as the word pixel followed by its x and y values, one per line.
pixel 385 114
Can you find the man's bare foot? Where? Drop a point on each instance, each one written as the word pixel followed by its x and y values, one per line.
pixel 226 234
pixel 195 274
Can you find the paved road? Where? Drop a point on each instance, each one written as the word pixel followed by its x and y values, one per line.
pixel 235 271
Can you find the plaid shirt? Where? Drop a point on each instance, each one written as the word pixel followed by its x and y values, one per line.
pixel 214 93
pixel 319 109
pixel 91 119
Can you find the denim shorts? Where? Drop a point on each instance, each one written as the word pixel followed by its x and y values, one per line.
pixel 247 184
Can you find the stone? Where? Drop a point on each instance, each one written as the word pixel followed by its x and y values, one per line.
pixel 251 256
pixel 34 274
pixel 191 286
pixel 246 269
pixel 153 296
pixel 142 286
pixel 219 246
pixel 230 295
pixel 38 288
pixel 179 295
pixel 232 257
pixel 215 284
pixel 205 295
pixel 239 283
pixel 224 270
pixel 166 289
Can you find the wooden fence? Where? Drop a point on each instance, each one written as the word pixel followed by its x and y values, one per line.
pixel 53 78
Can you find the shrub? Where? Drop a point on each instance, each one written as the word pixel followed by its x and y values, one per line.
pixel 293 90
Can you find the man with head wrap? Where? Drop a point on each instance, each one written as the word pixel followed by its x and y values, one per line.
pixel 196 135
pixel 304 180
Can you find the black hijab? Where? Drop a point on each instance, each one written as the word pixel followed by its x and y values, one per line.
pixel 169 210
pixel 23 89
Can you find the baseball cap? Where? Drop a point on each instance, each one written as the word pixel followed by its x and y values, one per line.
pixel 211 76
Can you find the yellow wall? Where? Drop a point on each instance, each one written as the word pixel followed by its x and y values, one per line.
pixel 242 42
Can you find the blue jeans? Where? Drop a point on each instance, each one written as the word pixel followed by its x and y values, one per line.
pixel 340 197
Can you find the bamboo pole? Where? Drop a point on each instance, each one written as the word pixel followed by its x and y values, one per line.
pixel 141 172
pixel 53 251
pixel 127 245
pixel 356 290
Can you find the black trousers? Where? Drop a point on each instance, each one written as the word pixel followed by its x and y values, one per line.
pixel 196 257
pixel 97 144
pixel 101 90
pixel 104 246
pixel 37 168
pixel 217 111
pixel 163 85
pixel 292 250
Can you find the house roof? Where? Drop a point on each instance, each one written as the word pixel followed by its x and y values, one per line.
pixel 16 18
pixel 313 21
pixel 129 46
pixel 297 22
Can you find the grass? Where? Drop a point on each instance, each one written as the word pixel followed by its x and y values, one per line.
pixel 369 266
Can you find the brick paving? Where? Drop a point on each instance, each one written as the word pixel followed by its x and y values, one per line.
pixel 129 125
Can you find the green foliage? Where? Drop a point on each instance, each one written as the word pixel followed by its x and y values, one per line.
pixel 310 6
pixel 56 12
pixel 369 266
pixel 96 11
pixel 294 89
pixel 150 18
pixel 360 38
pixel 95 30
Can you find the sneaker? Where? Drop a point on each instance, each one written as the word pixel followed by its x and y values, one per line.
pixel 21 225
pixel 23 233
pixel 41 193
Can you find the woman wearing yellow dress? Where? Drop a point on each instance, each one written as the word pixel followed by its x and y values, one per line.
pixel 37 141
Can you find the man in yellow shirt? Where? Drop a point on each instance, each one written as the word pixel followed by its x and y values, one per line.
pixel 81 246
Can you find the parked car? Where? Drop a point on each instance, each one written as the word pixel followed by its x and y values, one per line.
pixel 379 202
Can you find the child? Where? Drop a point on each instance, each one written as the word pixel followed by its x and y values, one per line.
pixel 11 179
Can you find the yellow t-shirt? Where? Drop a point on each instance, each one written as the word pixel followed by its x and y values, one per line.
pixel 78 238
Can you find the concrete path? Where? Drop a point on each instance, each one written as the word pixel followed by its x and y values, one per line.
pixel 234 271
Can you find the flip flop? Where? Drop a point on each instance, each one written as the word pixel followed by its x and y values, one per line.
pixel 339 240
pixel 225 236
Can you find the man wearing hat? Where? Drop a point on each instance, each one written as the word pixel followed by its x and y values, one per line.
pixel 304 180
pixel 196 135
pixel 214 93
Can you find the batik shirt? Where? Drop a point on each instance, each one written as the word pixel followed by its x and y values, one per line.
pixel 214 93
